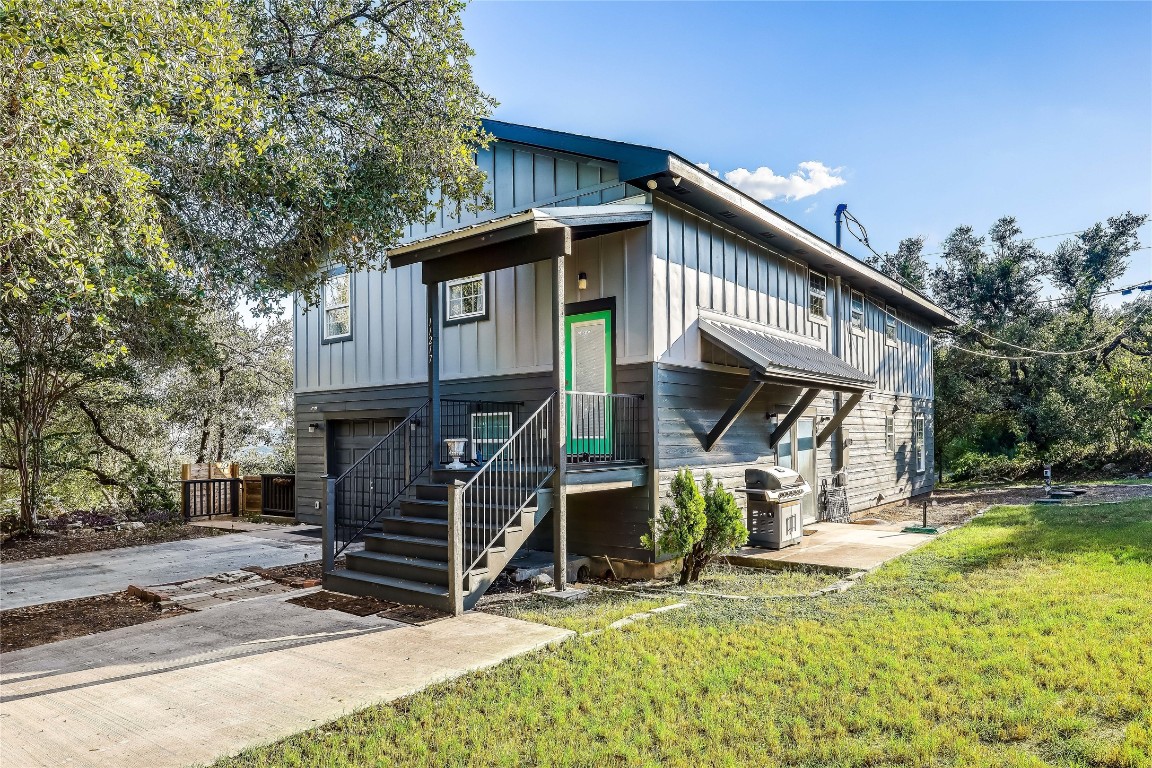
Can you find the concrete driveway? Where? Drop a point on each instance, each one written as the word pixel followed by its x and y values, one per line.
pixel 188 689
pixel 48 579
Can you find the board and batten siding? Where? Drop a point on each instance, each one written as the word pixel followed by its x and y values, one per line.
pixel 699 263
pixel 389 343
pixel 519 177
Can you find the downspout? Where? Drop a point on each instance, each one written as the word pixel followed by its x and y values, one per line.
pixel 840 351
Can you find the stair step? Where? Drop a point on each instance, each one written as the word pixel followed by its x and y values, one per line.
pixel 439 491
pixel 388 588
pixel 438 509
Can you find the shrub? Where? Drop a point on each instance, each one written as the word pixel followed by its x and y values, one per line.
pixel 698 526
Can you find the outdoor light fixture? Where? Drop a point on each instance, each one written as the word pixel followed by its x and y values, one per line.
pixel 582 281
pixel 313 427
pixel 652 184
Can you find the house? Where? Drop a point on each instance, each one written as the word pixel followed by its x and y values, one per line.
pixel 686 324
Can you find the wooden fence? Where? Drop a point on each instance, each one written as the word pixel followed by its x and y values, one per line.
pixel 209 490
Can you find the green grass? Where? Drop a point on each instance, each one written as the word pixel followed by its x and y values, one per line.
pixel 1022 639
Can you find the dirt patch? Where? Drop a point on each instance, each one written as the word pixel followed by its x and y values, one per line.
pixel 48 623
pixel 31 547
pixel 952 506
pixel 368 606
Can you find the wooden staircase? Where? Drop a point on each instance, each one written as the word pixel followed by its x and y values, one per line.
pixel 407 560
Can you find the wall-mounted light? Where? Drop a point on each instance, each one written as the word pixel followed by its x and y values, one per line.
pixel 652 184
pixel 313 427
pixel 582 281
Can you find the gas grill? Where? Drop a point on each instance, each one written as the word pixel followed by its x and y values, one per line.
pixel 774 495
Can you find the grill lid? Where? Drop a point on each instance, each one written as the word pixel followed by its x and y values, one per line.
pixel 771 478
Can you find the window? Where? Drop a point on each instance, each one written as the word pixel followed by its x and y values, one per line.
pixel 337 302
pixel 890 324
pixel 889 434
pixel 489 432
pixel 466 299
pixel 918 439
pixel 857 318
pixel 817 295
pixel 784 451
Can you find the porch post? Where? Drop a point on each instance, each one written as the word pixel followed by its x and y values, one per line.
pixel 434 373
pixel 560 421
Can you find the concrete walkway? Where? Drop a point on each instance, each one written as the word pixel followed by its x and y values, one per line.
pixel 48 579
pixel 840 547
pixel 192 688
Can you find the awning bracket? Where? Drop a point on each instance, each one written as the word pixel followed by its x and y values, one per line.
pixel 838 418
pixel 751 389
pixel 795 413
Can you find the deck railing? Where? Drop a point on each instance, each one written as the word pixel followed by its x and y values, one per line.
pixel 205 498
pixel 277 494
pixel 485 424
pixel 373 486
pixel 484 507
pixel 605 427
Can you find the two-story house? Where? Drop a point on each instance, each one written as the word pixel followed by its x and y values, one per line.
pixel 618 313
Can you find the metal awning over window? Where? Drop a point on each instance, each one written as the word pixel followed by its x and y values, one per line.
pixel 777 358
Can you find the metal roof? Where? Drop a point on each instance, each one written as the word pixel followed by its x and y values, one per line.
pixel 686 184
pixel 780 358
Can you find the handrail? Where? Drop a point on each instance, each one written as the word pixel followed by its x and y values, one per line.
pixel 357 491
pixel 495 496
pixel 605 427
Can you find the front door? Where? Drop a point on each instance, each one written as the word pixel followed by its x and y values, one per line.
pixel 588 376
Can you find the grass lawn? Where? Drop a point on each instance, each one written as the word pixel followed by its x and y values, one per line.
pixel 1022 639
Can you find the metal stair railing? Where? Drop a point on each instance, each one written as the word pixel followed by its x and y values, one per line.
pixel 372 486
pixel 482 509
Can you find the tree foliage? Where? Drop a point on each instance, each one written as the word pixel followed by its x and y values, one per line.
pixel 159 159
pixel 1027 378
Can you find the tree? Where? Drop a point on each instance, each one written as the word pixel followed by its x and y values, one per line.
pixel 1092 261
pixel 222 148
pixel 697 526
pixel 907 265
pixel 367 112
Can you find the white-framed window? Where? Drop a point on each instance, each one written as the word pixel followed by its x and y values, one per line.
pixel 856 314
pixel 890 434
pixel 890 325
pixel 489 432
pixel 918 439
pixel 337 304
pixel 466 299
pixel 817 295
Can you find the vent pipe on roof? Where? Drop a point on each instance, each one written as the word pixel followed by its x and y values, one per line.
pixel 840 220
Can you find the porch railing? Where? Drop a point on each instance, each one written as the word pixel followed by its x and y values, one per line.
pixel 277 494
pixel 605 427
pixel 484 507
pixel 374 485
pixel 205 498
pixel 485 424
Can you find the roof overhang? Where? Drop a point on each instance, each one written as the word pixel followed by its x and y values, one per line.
pixel 774 358
pixel 533 235
pixel 700 190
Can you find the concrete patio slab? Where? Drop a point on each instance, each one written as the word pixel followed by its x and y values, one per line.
pixel 837 547
pixel 48 579
pixel 192 688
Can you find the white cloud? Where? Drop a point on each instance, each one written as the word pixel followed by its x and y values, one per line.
pixel 809 178
pixel 708 168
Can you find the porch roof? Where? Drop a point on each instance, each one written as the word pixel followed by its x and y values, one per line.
pixel 517 229
pixel 774 357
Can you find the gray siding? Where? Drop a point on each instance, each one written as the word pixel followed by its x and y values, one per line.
pixel 520 177
pixel 608 523
pixel 389 343
pixel 700 263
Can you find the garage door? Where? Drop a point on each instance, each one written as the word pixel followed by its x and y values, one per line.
pixel 352 438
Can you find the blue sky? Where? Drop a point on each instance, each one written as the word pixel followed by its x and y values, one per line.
pixel 920 116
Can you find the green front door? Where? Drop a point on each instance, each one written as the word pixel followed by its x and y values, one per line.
pixel 588 375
